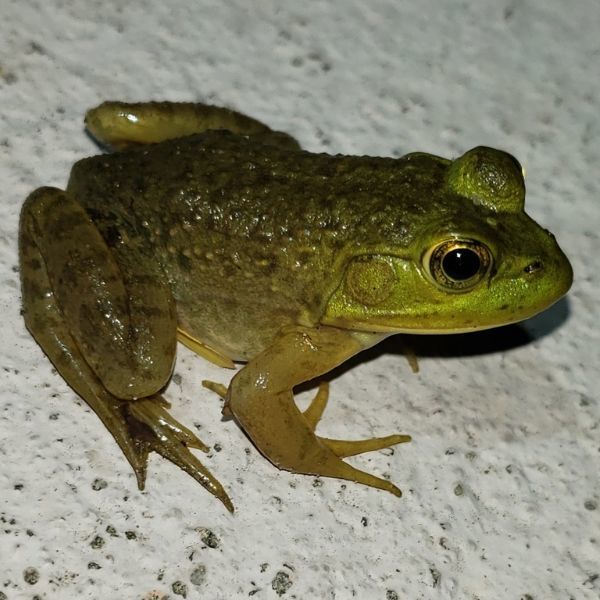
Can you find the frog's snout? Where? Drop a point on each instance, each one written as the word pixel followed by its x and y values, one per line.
pixel 555 271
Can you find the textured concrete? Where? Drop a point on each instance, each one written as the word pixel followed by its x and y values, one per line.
pixel 501 482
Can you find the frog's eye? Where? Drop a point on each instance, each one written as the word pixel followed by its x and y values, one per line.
pixel 458 265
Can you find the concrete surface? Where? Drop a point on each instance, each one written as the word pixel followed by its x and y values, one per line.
pixel 501 480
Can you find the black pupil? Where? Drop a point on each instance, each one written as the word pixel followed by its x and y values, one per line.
pixel 461 264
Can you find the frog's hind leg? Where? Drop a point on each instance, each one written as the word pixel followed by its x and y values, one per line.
pixel 120 125
pixel 138 427
pixel 261 399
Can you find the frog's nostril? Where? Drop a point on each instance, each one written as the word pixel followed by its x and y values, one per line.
pixel 534 267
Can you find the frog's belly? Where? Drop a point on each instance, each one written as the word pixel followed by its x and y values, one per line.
pixel 234 299
pixel 236 330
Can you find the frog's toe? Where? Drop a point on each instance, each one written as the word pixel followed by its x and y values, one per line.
pixel 172 440
pixel 343 448
pixel 343 470
pixel 221 391
pixel 315 410
pixel 152 412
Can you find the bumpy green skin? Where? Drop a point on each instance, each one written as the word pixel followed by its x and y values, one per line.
pixel 252 237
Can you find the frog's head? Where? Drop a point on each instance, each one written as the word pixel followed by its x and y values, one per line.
pixel 476 260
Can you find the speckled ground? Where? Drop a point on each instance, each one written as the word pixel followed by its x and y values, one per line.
pixel 501 481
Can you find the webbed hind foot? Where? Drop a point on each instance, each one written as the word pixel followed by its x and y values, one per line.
pixel 172 440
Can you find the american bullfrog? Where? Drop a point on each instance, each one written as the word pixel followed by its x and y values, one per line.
pixel 207 227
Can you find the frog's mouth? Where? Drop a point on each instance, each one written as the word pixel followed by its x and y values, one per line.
pixel 387 330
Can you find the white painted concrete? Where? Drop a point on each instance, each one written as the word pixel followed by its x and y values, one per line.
pixel 501 481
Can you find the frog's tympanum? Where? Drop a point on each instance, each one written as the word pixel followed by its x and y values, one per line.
pixel 208 228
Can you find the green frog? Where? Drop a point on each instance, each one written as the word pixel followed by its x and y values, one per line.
pixel 205 226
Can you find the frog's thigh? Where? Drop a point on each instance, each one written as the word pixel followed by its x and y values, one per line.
pixel 46 323
pixel 121 125
pixel 261 399
pixel 120 316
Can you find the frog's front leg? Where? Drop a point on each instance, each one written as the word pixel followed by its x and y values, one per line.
pixel 109 329
pixel 122 125
pixel 261 399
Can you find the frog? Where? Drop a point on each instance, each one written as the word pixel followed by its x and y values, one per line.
pixel 203 226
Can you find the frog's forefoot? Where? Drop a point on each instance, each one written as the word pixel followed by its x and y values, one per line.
pixel 262 401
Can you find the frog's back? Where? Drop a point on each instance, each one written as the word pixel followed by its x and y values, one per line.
pixel 234 185
pixel 225 215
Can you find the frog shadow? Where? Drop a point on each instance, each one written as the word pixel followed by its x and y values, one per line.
pixel 489 341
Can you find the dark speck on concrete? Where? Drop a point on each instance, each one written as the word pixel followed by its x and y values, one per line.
pixel 3 596
pixel 97 542
pixel 179 588
pixel 391 595
pixel 364 521
pixel 31 575
pixel 111 530
pixel 281 583
pixel 35 48
pixel 208 537
pixel 131 535
pixel 93 565
pixel 99 484
pixel 590 504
